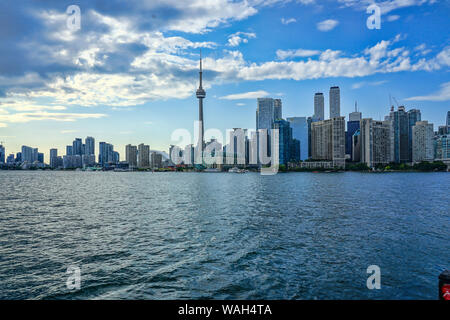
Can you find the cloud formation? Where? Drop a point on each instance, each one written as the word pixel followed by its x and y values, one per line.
pixel 246 95
pixel 327 25
pixel 442 95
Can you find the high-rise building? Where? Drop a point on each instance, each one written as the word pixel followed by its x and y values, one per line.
pixel 265 114
pixel 277 109
pixel 400 131
pixel 40 157
pixel 413 116
pixel 19 157
pixel 2 154
pixel 352 127
pixel 89 148
pixel 356 146
pixel 355 115
pixel 143 156
pixel 69 150
pixel 442 147
pixel 10 159
pixel 335 102
pixel 77 147
pixel 448 118
pixel 319 107
pixel 131 155
pixel 53 158
pixel 328 140
pixel 288 148
pixel 299 127
pixel 156 159
pixel 106 154
pixel 422 141
pixel 27 154
pixel 375 142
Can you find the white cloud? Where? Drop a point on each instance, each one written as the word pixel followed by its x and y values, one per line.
pixel 442 95
pixel 285 54
pixel 23 117
pixel 240 37
pixel 385 5
pixel 327 25
pixel 393 17
pixel 361 84
pixel 246 95
pixel 288 21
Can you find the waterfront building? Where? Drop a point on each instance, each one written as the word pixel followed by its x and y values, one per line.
pixel 188 155
pixel 328 140
pixel 422 141
pixel 156 160
pixel 53 158
pixel 19 157
pixel 265 115
pixel 352 126
pixel 27 154
pixel 442 148
pixel 448 119
pixel 375 142
pixel 107 154
pixel 400 131
pixel 72 161
pixel 299 127
pixel 131 155
pixel 356 146
pixel 277 109
pixel 2 154
pixel 115 156
pixel 89 144
pixel 40 157
pixel 335 102
pixel 143 156
pixel 88 160
pixel 414 115
pixel 69 150
pixel 319 107
pixel 10 159
pixel 77 147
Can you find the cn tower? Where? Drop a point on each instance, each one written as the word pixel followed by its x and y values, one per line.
pixel 200 96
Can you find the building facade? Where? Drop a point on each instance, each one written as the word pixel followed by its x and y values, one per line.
pixel 328 140
pixel 375 142
pixel 319 107
pixel 299 127
pixel 131 155
pixel 422 141
pixel 335 102
pixel 143 156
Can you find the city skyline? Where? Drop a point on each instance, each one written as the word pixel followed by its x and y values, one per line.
pixel 75 87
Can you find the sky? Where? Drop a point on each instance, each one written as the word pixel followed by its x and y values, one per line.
pixel 129 73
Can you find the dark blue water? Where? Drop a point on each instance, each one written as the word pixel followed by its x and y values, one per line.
pixel 222 235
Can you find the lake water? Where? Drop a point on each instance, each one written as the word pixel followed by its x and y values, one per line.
pixel 223 236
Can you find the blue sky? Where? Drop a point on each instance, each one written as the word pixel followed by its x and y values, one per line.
pixel 129 74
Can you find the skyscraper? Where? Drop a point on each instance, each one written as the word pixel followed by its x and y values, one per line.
pixel 77 147
pixel 277 109
pixel 143 156
pixel 27 154
pixel 352 126
pixel 399 120
pixel 328 140
pixel 442 147
pixel 69 150
pixel 106 154
pixel 265 114
pixel 53 158
pixel 335 102
pixel 200 93
pixel 448 118
pixel 89 148
pixel 422 141
pixel 299 127
pixel 131 155
pixel 288 147
pixel 375 142
pixel 2 154
pixel 413 116
pixel 319 107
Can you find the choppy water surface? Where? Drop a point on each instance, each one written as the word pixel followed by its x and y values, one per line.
pixel 221 235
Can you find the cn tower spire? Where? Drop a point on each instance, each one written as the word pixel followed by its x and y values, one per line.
pixel 200 93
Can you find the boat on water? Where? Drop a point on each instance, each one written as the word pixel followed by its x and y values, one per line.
pixel 212 170
pixel 237 170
